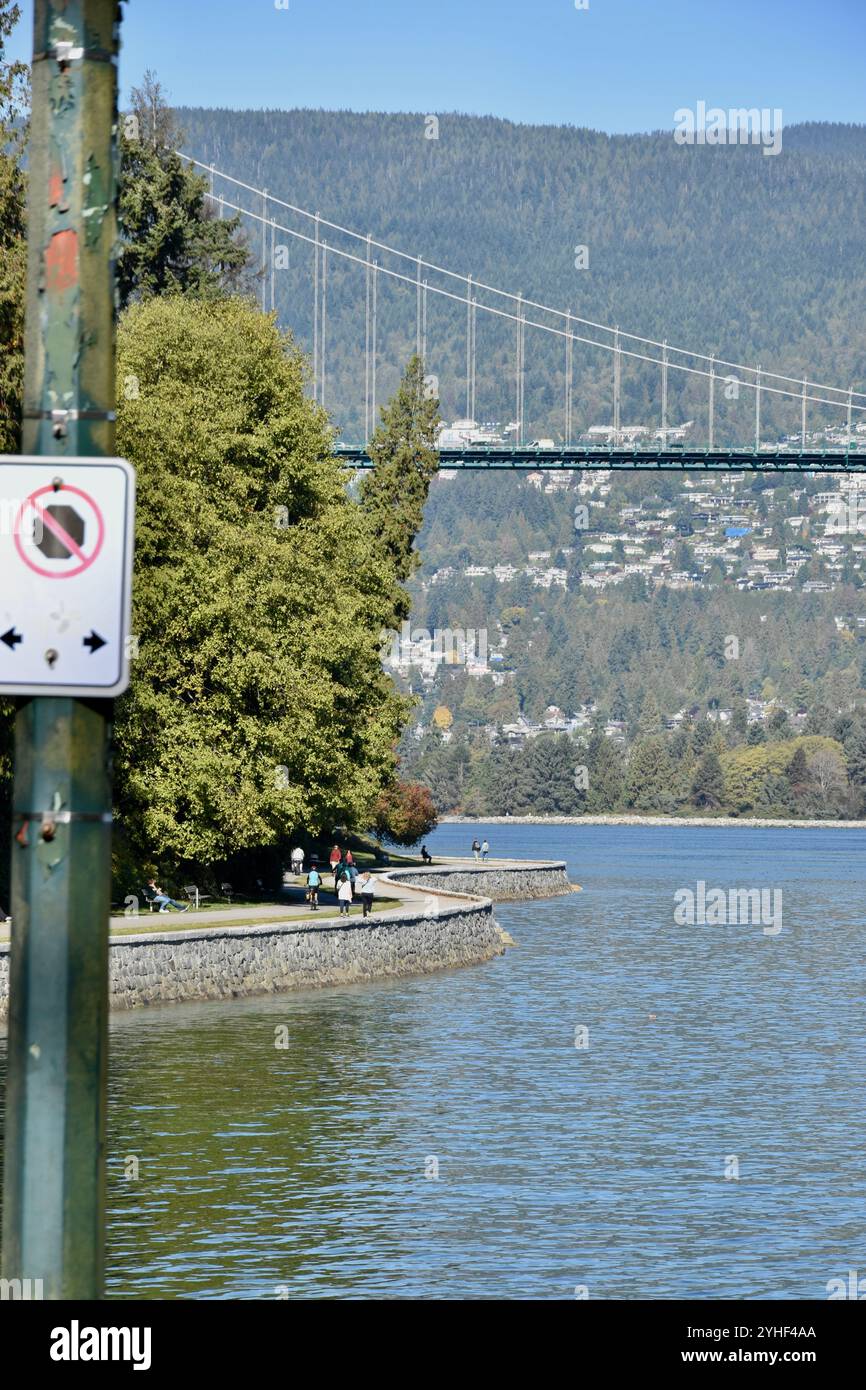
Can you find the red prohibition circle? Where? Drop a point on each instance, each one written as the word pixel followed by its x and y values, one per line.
pixel 31 501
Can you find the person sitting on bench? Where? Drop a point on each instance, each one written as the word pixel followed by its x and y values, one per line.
pixel 164 901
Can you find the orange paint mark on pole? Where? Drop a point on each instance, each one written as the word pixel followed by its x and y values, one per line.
pixel 55 188
pixel 61 262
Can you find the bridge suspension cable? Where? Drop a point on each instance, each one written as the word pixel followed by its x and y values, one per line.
pixel 760 375
pixel 480 286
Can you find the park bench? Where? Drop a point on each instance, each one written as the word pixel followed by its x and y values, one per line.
pixel 195 897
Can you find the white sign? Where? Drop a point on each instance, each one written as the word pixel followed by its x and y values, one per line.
pixel 66 540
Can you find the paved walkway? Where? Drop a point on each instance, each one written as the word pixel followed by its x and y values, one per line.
pixel 399 895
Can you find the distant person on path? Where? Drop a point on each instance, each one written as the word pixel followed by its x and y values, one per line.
pixel 297 860
pixel 426 857
pixel 352 874
pixel 335 859
pixel 476 849
pixel 314 882
pixel 366 888
pixel 350 858
pixel 164 901
pixel 485 849
pixel 344 894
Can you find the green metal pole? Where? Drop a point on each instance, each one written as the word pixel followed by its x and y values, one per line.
pixel 54 1185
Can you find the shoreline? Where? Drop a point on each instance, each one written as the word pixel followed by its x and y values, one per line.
pixel 445 919
pixel 705 822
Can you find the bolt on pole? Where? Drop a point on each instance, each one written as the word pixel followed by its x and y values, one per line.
pixel 54 1192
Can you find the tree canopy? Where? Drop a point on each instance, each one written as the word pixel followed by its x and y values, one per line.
pixel 171 238
pixel 403 448
pixel 258 702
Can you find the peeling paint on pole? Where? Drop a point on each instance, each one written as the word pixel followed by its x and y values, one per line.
pixel 72 230
pixel 54 1172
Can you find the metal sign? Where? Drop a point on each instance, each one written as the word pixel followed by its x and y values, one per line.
pixel 66 542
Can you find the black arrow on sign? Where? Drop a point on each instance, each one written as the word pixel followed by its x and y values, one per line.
pixel 94 642
pixel 11 638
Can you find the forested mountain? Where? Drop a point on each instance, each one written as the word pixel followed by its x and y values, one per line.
pixel 720 249
pixel 666 650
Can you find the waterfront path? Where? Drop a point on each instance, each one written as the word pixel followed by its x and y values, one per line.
pixel 425 918
pixel 398 894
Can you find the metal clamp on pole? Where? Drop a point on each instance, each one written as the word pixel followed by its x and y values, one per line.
pixel 54 1158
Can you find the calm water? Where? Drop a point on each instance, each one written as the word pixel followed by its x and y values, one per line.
pixel 303 1169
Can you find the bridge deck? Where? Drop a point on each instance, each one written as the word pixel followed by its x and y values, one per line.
pixel 529 459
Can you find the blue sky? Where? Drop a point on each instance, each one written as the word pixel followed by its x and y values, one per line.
pixel 621 65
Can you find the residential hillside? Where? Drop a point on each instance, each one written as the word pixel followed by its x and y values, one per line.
pixel 674 605
pixel 597 642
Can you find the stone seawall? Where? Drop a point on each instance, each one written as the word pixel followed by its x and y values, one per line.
pixel 451 925
pixel 511 882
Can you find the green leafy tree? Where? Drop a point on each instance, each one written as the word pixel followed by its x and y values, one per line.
pixel 258 703
pixel 171 238
pixel 403 449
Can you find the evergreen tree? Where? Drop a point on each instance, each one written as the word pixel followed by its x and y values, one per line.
pixel 550 776
pixel 650 721
pixel 797 771
pixel 606 769
pixel 171 238
pixel 757 734
pixel 708 786
pixel 650 775
pixel 508 791
pixel 855 758
pixel 403 450
pixel 702 736
pixel 780 725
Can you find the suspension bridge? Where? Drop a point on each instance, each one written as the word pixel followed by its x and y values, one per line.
pixel 830 433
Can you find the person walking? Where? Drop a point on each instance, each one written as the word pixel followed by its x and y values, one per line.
pixel 335 859
pixel 344 894
pixel 350 858
pixel 476 848
pixel 485 849
pixel 366 891
pixel 352 875
pixel 297 861
pixel 314 883
pixel 164 901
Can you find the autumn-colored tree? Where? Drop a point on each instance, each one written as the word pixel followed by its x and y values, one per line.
pixel 404 813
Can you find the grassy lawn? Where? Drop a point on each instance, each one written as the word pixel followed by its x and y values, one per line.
pixel 177 922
